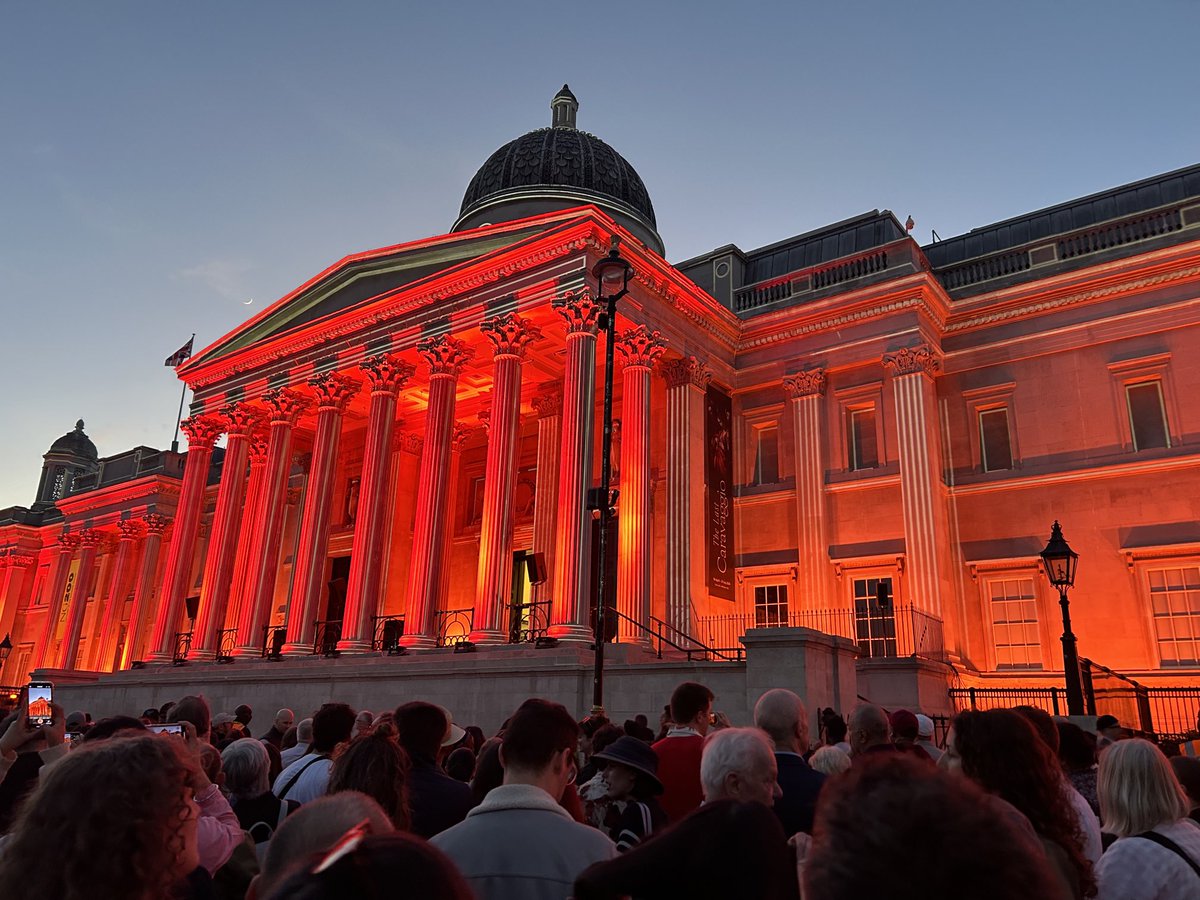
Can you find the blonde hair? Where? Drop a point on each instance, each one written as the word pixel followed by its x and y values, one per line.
pixel 830 760
pixel 1138 789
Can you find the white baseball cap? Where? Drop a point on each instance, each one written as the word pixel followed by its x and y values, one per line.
pixel 924 726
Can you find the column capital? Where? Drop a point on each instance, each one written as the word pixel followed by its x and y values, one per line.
pixel 685 370
pixel 640 346
pixel 804 384
pixel 259 444
pixel 68 543
pixel 20 560
pixel 131 529
pixel 458 438
pixel 90 539
pixel 409 442
pixel 579 310
pixel 485 419
pixel 548 404
pixel 445 355
pixel 240 418
pixel 202 431
pixel 155 524
pixel 334 390
pixel 386 372
pixel 921 359
pixel 510 334
pixel 284 405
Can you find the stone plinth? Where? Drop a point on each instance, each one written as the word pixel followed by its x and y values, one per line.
pixel 817 666
pixel 910 683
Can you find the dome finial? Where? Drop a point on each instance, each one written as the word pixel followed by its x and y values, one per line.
pixel 563 108
pixel 79 425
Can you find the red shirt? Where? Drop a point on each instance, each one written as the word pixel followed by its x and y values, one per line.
pixel 679 771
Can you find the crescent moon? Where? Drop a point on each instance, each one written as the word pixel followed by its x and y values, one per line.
pixel 248 302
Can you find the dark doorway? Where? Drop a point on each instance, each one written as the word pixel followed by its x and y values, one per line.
pixel 610 615
pixel 339 577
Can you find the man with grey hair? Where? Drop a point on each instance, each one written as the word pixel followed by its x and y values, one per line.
pixel 781 714
pixel 247 779
pixel 739 764
pixel 870 731
pixel 303 739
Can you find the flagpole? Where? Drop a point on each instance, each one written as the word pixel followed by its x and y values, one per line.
pixel 179 415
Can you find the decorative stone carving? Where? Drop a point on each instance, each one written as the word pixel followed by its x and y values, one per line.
pixel 913 360
pixel 240 419
pixel 445 355
pixel 410 442
pixel 640 346
pixel 548 404
pixel 387 372
pixel 334 390
pixel 804 384
pixel 579 310
pixel 202 431
pixel 259 444
pixel 68 543
pixel 285 405
pixel 510 334
pixel 155 524
pixel 460 436
pixel 91 538
pixel 685 370
pixel 131 529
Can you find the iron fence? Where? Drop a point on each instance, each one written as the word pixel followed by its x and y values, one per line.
pixel 1175 712
pixel 1052 699
pixel 386 633
pixel 226 644
pixel 453 626
pixel 183 646
pixel 528 621
pixel 272 641
pixel 326 636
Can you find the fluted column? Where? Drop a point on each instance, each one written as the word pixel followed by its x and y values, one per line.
pixel 16 583
pixel 446 357
pixel 459 436
pixel 226 531
pixel 89 546
pixel 545 495
pixel 510 336
pixel 639 348
pixel 569 616
pixel 386 375
pixel 334 392
pixel 131 533
pixel 687 379
pixel 804 391
pixel 239 585
pixel 143 592
pixel 68 544
pixel 202 431
pixel 284 407
pixel 913 370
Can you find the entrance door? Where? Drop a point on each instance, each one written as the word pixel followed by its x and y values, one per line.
pixel 330 632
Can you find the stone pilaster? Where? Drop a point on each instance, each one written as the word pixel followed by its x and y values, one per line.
pixel 548 406
pixel 804 391
pixel 143 591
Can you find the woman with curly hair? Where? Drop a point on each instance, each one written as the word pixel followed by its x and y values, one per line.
pixel 116 817
pixel 999 750
pixel 376 765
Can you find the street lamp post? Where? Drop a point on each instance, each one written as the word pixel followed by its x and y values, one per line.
pixel 612 276
pixel 5 649
pixel 1061 562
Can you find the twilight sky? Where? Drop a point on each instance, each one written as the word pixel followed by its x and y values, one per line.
pixel 161 164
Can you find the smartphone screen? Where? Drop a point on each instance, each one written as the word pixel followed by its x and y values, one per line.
pixel 41 695
pixel 170 728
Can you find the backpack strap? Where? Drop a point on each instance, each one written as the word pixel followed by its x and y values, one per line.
pixel 304 768
pixel 1168 844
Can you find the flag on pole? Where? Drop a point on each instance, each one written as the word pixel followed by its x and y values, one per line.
pixel 177 358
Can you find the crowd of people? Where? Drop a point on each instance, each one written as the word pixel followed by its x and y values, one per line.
pixel 183 804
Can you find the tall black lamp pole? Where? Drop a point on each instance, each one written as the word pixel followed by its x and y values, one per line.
pixel 612 276
pixel 1061 562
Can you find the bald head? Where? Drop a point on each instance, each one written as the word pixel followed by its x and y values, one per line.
pixel 284 719
pixel 868 727
pixel 781 714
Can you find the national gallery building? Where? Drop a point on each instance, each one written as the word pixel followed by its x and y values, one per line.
pixel 843 432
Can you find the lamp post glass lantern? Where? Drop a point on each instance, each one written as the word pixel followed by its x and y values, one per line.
pixel 1061 563
pixel 612 276
pixel 5 649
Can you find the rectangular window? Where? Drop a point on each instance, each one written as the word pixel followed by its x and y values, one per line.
pixel 875 621
pixel 1015 632
pixel 861 439
pixel 995 446
pixel 1147 417
pixel 770 606
pixel 1175 606
pixel 766 455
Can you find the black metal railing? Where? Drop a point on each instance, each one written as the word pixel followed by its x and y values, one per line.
pixel 272 641
pixel 453 625
pixel 1106 692
pixel 664 637
pixel 226 644
pixel 528 621
pixel 897 633
pixel 326 636
pixel 1052 699
pixel 1175 712
pixel 386 634
pixel 183 646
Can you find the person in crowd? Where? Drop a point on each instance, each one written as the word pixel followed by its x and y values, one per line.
pixel 1077 753
pixel 1157 852
pixel 1001 752
pixel 897 827
pixel 870 732
pixel 905 730
pixel 247 780
pixel 314 829
pixel 24 752
pixel 1108 731
pixel 739 764
pixel 637 727
pixel 781 714
pixel 308 777
pixel 436 801
pixel 835 732
pixel 489 773
pixel 664 722
pixel 1187 770
pixel 225 730
pixel 604 736
pixel 629 778
pixel 244 715
pixel 492 846
pixel 78 722
pixel 830 760
pixel 363 722
pixel 276 758
pixel 304 736
pixel 210 762
pixel 193 709
pixel 460 765
pixel 150 716
pixel 925 737
pixel 375 765
pixel 111 725
pixel 363 865
pixel 476 736
pixel 679 752
pixel 135 796
pixel 283 721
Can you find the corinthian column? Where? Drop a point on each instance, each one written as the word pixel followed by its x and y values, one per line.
pixel 510 335
pixel 226 531
pixel 545 494
pixel 16 583
pixel 446 357
pixel 334 393
pixel 56 585
pixel 687 379
pixel 386 374
pixel 804 391
pixel 925 533
pixel 89 546
pixel 240 586
pixel 202 431
pixel 569 617
pixel 131 534
pixel 284 407
pixel 143 591
pixel 639 348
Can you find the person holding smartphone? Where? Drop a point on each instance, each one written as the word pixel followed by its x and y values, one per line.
pixel 24 749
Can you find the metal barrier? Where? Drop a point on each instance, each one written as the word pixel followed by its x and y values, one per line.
pixel 325 638
pixel 226 644
pixel 1175 712
pixel 528 621
pixel 453 626
pixel 1051 699
pixel 272 642
pixel 183 646
pixel 387 631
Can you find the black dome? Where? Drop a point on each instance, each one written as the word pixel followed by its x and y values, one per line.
pixel 76 443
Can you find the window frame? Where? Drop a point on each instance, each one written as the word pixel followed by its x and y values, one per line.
pixel 1039 623
pixel 984 400
pixel 782 599
pixel 851 399
pixel 1162 408
pixel 1130 372
pixel 758 430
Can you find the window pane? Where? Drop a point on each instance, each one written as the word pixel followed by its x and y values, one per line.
pixel 766 457
pixel 1146 417
pixel 993 435
pixel 1014 615
pixel 864 446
